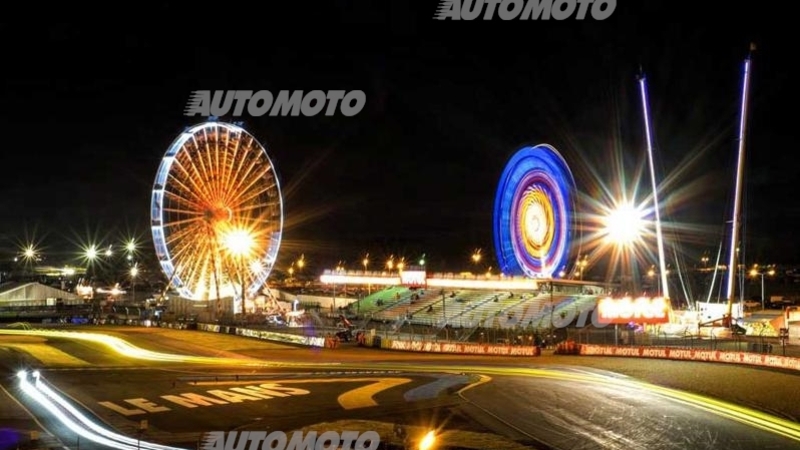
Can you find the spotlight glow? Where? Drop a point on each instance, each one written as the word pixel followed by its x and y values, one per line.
pixel 625 225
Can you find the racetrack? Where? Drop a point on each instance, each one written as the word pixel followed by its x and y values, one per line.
pixel 562 401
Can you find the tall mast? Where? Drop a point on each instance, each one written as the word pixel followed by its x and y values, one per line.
pixel 657 206
pixel 737 205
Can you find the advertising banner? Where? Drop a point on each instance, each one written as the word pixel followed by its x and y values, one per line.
pixel 635 310
pixel 682 354
pixel 463 348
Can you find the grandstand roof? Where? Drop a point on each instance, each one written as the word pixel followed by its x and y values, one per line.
pixel 17 291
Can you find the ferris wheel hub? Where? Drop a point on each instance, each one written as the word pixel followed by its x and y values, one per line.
pixel 218 214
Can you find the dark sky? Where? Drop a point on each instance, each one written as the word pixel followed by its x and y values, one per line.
pixel 90 108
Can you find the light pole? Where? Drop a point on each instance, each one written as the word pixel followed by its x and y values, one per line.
pixel 365 262
pixel 582 263
pixel 754 273
pixel 91 256
pixel 301 262
pixel 339 269
pixel 130 248
pixel 652 273
pixel 134 273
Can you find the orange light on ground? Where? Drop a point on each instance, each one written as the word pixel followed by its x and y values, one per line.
pixel 428 441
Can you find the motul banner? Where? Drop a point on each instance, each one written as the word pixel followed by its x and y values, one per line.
pixel 683 354
pixel 464 349
pixel 638 310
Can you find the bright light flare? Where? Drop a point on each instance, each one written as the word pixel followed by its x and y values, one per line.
pixel 428 441
pixel 130 246
pixel 30 252
pixel 625 225
pixel 91 252
pixel 256 266
pixel 239 242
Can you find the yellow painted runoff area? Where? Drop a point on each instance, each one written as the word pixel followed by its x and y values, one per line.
pixel 48 355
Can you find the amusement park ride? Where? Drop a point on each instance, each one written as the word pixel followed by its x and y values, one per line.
pixel 217 214
pixel 217 218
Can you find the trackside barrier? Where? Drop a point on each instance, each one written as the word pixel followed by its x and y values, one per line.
pixel 681 354
pixel 381 343
pixel 296 339
pixel 459 348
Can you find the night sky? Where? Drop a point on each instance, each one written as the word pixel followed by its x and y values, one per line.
pixel 89 110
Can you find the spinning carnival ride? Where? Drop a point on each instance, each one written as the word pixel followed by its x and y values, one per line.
pixel 534 213
pixel 217 213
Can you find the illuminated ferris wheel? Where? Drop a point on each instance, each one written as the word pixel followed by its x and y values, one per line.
pixel 217 213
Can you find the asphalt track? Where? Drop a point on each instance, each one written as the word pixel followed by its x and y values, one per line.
pixel 546 402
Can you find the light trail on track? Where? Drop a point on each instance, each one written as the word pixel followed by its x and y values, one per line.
pixel 743 415
pixel 126 349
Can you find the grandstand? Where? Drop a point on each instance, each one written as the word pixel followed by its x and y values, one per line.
pixel 473 302
pixel 379 301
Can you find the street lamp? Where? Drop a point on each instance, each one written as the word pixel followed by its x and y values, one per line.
pixel 91 253
pixel 29 253
pixel 652 273
pixel 754 273
pixel 130 248
pixel 582 263
pixel 476 256
pixel 365 262
pixel 300 263
pixel 134 273
pixel 339 269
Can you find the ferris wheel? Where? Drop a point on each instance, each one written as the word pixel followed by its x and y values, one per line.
pixel 217 213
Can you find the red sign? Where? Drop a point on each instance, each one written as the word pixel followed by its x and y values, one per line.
pixel 464 349
pixel 636 310
pixel 683 354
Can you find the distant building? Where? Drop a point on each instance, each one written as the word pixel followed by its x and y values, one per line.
pixel 26 294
